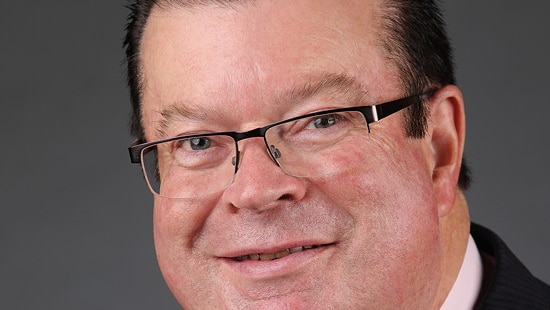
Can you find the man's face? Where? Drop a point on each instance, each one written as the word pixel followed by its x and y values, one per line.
pixel 375 222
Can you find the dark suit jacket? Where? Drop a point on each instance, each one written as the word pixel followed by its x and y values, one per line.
pixel 507 282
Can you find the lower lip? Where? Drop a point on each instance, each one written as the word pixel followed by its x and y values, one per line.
pixel 275 268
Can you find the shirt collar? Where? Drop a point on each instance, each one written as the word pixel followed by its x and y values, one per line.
pixel 465 290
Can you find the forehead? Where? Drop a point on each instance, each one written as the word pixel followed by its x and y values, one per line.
pixel 250 52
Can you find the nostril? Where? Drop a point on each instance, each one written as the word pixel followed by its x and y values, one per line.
pixel 285 197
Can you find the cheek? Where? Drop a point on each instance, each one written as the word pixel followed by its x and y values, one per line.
pixel 391 177
pixel 177 223
pixel 397 189
pixel 396 229
pixel 387 195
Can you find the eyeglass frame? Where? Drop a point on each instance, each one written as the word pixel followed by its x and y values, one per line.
pixel 371 113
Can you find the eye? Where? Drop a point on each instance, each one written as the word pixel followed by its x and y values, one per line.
pixel 193 144
pixel 325 121
pixel 201 151
pixel 199 143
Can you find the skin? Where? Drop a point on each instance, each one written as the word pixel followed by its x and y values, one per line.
pixel 395 224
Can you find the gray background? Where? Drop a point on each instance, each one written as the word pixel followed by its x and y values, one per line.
pixel 75 221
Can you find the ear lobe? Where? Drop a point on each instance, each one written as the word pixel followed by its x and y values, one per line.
pixel 447 134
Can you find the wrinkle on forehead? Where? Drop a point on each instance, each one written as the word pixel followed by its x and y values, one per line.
pixel 341 86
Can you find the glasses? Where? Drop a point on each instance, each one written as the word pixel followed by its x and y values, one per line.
pixel 312 145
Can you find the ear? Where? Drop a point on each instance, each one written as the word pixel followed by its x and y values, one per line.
pixel 446 144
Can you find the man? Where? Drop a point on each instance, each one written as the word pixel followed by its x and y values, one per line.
pixel 308 155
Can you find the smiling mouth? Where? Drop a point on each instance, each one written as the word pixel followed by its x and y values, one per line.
pixel 274 256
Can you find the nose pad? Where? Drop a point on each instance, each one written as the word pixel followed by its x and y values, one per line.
pixel 236 160
pixel 275 153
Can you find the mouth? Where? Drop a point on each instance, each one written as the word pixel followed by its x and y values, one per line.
pixel 277 255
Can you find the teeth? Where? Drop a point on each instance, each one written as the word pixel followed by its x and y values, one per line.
pixel 282 254
pixel 268 256
pixel 273 256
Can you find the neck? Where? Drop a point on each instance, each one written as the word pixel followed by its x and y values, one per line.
pixel 454 234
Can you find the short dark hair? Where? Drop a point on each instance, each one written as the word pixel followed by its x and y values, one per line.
pixel 415 39
pixel 413 36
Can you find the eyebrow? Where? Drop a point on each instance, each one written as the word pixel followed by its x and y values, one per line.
pixel 183 111
pixel 341 85
pixel 338 84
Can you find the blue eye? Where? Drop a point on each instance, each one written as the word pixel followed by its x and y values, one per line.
pixel 199 143
pixel 326 121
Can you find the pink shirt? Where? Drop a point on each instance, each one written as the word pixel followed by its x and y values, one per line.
pixel 467 286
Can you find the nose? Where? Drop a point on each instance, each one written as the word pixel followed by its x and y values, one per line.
pixel 259 183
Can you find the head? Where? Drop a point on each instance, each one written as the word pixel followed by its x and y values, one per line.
pixel 380 232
